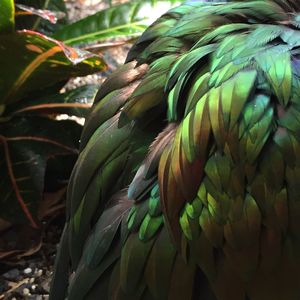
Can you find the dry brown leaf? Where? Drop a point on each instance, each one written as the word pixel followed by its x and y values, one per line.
pixel 4 225
pixel 52 205
pixel 19 241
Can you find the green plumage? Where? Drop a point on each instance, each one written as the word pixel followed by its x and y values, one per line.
pixel 188 181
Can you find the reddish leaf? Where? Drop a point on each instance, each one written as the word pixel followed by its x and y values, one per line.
pixel 31 61
pixel 76 102
pixel 25 146
pixel 48 15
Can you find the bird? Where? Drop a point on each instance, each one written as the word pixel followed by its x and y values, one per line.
pixel 187 185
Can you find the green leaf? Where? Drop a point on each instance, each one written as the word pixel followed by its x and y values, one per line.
pixel 121 20
pixel 25 146
pixel 35 61
pixel 7 16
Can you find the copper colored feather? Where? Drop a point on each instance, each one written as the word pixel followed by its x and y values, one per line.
pixel 188 182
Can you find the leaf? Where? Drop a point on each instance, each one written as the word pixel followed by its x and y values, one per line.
pixel 52 204
pixel 76 102
pixel 48 15
pixel 121 20
pixel 38 18
pixel 41 62
pixel 4 225
pixel 25 146
pixel 18 242
pixel 7 16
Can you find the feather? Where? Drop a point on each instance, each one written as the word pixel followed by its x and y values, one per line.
pixel 60 283
pixel 149 93
pixel 277 67
pixel 133 261
pixel 105 231
pixel 149 227
pixel 188 28
pixel 90 158
pixel 189 226
pixel 221 32
pixel 104 110
pixel 162 46
pixel 187 62
pixel 182 280
pixel 157 148
pixel 159 266
pixel 121 78
pixel 212 230
pixel 216 116
pixel 154 202
pixel 84 278
pixel 264 34
pixel 187 182
pixel 137 216
pixel 199 89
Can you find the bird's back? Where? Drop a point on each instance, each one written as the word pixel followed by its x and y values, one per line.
pixel 187 185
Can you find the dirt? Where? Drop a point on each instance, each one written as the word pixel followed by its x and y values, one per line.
pixel 29 277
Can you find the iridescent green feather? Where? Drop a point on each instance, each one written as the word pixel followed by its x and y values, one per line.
pixel 187 182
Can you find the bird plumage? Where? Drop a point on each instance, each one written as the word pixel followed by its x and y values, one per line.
pixel 187 184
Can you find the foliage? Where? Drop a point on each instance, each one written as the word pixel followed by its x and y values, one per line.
pixel 38 151
pixel 41 15
pixel 7 16
pixel 124 20
pixel 35 67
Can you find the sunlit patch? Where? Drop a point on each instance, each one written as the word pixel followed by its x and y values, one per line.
pixel 155 11
pixel 74 118
pixel 76 55
pixel 34 48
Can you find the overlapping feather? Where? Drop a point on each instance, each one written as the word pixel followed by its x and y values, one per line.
pixel 202 126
